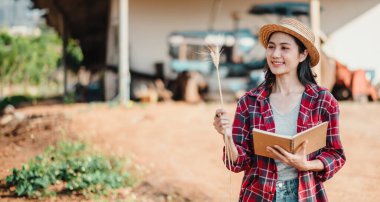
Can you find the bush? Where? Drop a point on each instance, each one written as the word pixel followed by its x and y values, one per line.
pixel 72 165
pixel 33 60
pixel 28 60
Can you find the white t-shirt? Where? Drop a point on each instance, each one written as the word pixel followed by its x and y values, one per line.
pixel 286 124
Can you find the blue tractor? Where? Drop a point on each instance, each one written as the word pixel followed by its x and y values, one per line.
pixel 242 56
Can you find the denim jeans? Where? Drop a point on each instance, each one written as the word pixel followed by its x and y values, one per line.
pixel 286 191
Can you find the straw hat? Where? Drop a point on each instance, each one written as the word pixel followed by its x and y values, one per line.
pixel 296 29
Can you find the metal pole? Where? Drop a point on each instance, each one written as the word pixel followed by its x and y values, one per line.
pixel 124 76
pixel 316 26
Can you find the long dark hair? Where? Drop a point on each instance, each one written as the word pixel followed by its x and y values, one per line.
pixel 304 73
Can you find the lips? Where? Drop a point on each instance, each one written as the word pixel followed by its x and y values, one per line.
pixel 277 63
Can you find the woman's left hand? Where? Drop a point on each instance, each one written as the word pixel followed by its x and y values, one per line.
pixel 297 160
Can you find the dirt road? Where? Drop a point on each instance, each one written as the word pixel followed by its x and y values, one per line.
pixel 177 143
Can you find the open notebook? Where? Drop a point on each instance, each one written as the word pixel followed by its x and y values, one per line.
pixel 316 137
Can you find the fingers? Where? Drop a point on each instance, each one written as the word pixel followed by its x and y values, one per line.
pixel 221 117
pixel 221 121
pixel 220 112
pixel 282 151
pixel 221 125
pixel 277 154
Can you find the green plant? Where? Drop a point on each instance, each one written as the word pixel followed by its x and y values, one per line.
pixel 74 56
pixel 72 164
pixel 69 98
pixel 25 59
pixel 33 60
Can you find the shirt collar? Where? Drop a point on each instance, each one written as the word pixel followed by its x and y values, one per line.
pixel 262 93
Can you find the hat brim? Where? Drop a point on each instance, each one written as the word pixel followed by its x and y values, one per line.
pixel 267 30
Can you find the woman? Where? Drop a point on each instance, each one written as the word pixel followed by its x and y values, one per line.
pixel 287 102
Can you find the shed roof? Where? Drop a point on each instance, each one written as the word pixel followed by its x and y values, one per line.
pixel 85 20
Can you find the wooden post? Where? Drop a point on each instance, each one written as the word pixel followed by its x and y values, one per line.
pixel 112 55
pixel 124 75
pixel 64 57
pixel 315 25
pixel 63 27
pixel 64 37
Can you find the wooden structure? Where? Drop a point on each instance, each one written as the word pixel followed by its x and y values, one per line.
pixel 100 26
pixel 84 20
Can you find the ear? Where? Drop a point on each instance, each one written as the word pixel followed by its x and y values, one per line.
pixel 303 55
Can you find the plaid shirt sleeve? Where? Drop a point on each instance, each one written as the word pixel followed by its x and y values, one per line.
pixel 241 137
pixel 332 156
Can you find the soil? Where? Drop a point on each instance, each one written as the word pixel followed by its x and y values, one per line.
pixel 175 146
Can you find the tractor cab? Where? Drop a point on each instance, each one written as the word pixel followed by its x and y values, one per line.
pixel 189 51
pixel 241 53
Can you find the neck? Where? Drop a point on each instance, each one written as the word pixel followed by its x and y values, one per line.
pixel 286 85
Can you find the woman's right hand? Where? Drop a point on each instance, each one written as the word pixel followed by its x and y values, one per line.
pixel 223 125
pixel 222 122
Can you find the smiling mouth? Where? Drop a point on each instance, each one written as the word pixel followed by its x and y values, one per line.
pixel 277 63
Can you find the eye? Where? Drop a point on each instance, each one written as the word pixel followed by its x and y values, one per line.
pixel 270 47
pixel 285 48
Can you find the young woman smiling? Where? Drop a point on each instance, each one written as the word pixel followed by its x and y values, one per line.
pixel 287 102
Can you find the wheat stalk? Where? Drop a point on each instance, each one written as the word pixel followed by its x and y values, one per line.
pixel 215 57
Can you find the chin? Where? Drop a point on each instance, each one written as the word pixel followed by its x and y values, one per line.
pixel 277 70
pixel 278 73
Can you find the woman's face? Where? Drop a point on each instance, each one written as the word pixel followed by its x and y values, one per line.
pixel 283 54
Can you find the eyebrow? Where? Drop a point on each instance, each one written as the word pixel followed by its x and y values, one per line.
pixel 284 43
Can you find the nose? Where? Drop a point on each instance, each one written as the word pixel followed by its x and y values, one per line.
pixel 276 52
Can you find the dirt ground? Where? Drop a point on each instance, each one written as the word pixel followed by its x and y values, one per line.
pixel 177 146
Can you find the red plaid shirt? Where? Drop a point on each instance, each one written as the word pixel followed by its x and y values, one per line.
pixel 260 173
